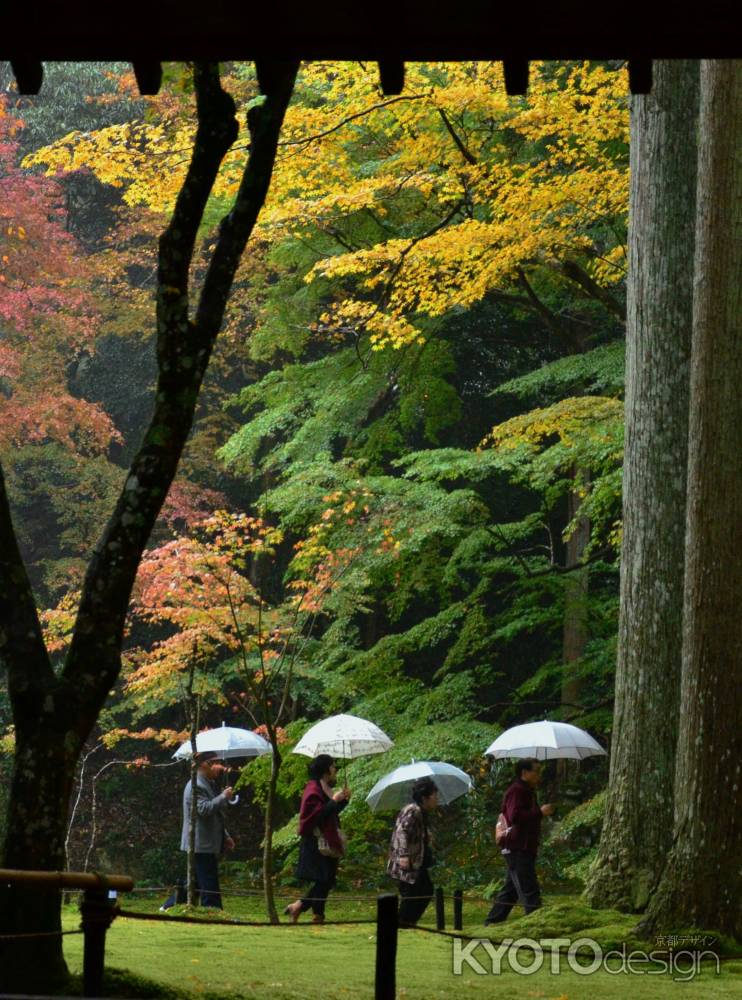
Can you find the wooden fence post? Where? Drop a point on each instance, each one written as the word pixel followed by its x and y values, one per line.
pixel 458 903
pixel 386 947
pixel 440 913
pixel 97 912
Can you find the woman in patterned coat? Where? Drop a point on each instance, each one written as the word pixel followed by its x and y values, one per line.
pixel 410 853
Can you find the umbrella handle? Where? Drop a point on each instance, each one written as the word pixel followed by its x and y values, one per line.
pixel 234 801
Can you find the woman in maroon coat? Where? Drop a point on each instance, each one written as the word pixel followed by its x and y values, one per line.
pixel 319 818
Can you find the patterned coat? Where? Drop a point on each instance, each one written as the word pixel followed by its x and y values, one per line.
pixel 408 840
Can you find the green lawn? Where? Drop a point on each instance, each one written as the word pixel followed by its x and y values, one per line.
pixel 337 962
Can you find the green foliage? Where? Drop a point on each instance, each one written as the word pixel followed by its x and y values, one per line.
pixel 336 406
pixel 74 97
pixel 583 823
pixel 72 496
pixel 600 371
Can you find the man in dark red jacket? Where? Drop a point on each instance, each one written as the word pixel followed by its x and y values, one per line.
pixel 523 816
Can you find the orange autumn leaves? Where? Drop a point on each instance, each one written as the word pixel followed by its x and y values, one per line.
pixel 48 314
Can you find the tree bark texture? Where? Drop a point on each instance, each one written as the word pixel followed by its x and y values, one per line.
pixel 576 584
pixel 637 829
pixel 702 882
pixel 54 713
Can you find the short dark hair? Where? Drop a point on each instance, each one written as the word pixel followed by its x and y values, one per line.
pixel 422 788
pixel 525 764
pixel 206 756
pixel 320 765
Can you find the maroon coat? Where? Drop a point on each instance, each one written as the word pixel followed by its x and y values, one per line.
pixel 523 815
pixel 318 809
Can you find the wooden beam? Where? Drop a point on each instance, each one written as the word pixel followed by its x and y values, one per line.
pixel 640 76
pixel 67 880
pixel 411 30
pixel 391 76
pixel 515 72
pixel 29 75
pixel 149 76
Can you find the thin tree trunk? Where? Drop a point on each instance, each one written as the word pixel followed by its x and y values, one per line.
pixel 638 821
pixel 575 632
pixel 270 904
pixel 192 713
pixel 191 866
pixel 702 882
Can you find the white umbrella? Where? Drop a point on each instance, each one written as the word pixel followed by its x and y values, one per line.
pixel 344 736
pixel 393 790
pixel 226 742
pixel 544 740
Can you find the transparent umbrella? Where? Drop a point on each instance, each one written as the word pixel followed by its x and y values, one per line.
pixel 227 742
pixel 393 790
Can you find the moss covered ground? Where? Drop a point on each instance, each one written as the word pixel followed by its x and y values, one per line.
pixel 155 958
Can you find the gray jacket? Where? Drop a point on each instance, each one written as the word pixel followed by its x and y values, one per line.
pixel 210 829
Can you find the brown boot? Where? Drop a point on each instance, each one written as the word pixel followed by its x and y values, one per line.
pixel 318 918
pixel 293 910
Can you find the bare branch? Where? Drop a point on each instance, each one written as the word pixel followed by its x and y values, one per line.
pixel 560 330
pixel 464 150
pixel 572 270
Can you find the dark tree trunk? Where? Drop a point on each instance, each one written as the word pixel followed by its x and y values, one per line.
pixel 638 822
pixel 43 775
pixel 54 713
pixel 702 882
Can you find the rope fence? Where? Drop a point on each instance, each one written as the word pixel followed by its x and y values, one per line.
pixel 230 921
pixel 38 934
pixel 338 896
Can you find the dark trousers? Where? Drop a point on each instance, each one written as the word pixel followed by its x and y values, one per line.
pixel 521 885
pixel 415 897
pixel 207 883
pixel 316 898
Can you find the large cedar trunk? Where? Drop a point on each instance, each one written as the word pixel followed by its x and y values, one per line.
pixel 702 882
pixel 638 823
pixel 34 839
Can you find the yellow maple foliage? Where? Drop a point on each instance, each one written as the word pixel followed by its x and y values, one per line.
pixel 470 189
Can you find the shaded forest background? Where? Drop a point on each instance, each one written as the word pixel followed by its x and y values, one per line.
pixel 412 426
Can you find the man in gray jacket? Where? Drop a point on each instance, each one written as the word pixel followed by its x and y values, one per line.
pixel 212 837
